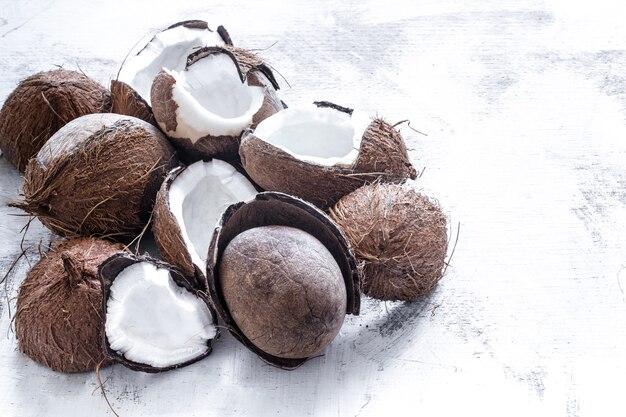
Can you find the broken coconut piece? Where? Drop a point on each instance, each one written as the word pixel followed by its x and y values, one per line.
pixel 281 277
pixel 399 235
pixel 205 108
pixel 299 148
pixel 43 103
pixel 167 49
pixel 155 318
pixel 58 321
pixel 98 175
pixel 188 206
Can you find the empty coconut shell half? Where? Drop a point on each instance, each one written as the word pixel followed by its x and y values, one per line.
pixel 98 176
pixel 43 103
pixel 156 319
pixel 282 277
pixel 58 321
pixel 189 204
pixel 167 49
pixel 204 108
pixel 399 235
pixel 322 152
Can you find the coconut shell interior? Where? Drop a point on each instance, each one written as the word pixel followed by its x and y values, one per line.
pixel 272 208
pixel 110 269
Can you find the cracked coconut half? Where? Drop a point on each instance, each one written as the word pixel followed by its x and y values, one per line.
pixel 204 108
pixel 188 206
pixel 167 49
pixel 299 148
pixel 155 318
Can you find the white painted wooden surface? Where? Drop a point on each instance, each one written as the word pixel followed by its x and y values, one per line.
pixel 523 104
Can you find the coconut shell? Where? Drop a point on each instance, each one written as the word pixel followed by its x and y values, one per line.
pixel 226 147
pixel 99 175
pixel 399 235
pixel 107 273
pixel 382 156
pixel 272 208
pixel 58 321
pixel 43 103
pixel 126 100
pixel 166 230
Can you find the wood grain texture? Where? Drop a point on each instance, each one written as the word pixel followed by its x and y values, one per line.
pixel 523 104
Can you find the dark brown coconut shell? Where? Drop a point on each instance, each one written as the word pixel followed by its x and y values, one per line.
pixel 43 103
pixel 399 235
pixel 58 321
pixel 107 273
pixel 271 208
pixel 284 290
pixel 125 100
pixel 251 70
pixel 98 176
pixel 382 156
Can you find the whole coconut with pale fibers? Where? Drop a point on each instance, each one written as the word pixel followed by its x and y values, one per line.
pixel 98 176
pixel 43 103
pixel 399 235
pixel 58 321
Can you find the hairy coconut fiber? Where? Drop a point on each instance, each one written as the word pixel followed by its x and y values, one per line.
pixel 399 235
pixel 126 101
pixel 251 70
pixel 42 104
pixel 276 209
pixel 98 176
pixel 59 321
pixel 382 156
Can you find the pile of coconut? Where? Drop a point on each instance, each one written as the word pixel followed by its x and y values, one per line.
pixel 270 221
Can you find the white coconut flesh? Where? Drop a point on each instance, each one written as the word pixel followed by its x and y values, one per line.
pixel 212 100
pixel 151 320
pixel 197 198
pixel 320 135
pixel 168 49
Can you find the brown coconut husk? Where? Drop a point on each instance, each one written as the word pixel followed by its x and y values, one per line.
pixel 58 321
pixel 111 268
pixel 272 208
pixel 399 235
pixel 98 176
pixel 383 156
pixel 226 147
pixel 125 100
pixel 166 230
pixel 43 103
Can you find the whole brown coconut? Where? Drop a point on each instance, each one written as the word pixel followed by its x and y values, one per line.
pixel 284 290
pixel 98 176
pixel 399 235
pixel 59 321
pixel 42 104
pixel 288 278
